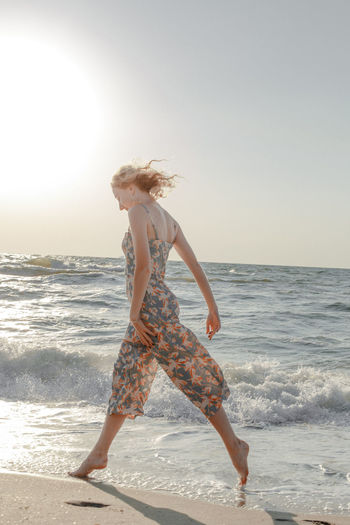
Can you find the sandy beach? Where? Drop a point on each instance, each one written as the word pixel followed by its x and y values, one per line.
pixel 39 500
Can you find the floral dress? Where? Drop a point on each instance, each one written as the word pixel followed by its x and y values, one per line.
pixel 176 348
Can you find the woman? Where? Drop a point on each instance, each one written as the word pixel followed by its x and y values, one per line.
pixel 154 334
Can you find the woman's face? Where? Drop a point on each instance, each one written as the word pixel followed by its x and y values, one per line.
pixel 123 196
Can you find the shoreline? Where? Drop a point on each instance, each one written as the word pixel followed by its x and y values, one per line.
pixel 42 499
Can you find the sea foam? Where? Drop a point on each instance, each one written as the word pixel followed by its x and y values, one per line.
pixel 262 392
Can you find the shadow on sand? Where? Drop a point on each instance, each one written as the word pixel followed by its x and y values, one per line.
pixel 161 515
pixel 287 518
pixel 166 516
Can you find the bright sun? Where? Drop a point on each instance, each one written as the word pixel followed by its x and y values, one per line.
pixel 50 122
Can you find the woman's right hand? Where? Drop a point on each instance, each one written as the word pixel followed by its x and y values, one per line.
pixel 213 323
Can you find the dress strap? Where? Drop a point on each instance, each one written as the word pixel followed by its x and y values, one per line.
pixel 150 216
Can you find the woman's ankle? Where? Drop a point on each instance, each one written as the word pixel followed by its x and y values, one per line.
pixel 233 442
pixel 99 452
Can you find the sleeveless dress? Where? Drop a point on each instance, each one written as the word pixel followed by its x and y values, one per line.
pixel 175 347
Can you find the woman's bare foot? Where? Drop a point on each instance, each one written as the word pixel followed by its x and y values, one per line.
pixel 239 453
pixel 92 462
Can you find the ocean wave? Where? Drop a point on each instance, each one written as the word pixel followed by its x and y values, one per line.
pixel 49 265
pixel 262 392
pixel 339 306
pixel 265 393
pixel 52 374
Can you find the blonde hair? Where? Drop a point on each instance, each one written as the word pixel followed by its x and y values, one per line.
pixel 145 178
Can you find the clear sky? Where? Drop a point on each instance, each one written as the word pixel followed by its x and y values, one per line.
pixel 248 101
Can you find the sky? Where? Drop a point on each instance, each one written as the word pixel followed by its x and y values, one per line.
pixel 247 100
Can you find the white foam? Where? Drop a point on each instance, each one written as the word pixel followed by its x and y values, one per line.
pixel 262 392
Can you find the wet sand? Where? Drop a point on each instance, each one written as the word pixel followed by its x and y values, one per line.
pixel 41 500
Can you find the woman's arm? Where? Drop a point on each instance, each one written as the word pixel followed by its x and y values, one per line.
pixel 143 262
pixel 186 253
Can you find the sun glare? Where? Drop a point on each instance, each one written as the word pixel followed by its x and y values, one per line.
pixel 51 119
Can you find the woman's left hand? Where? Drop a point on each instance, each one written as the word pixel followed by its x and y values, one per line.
pixel 144 332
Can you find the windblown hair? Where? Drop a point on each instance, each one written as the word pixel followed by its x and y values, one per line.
pixel 155 182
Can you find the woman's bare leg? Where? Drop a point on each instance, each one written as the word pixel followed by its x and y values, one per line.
pixel 237 448
pixel 98 457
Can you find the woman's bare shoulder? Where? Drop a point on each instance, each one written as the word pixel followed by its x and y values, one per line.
pixel 181 244
pixel 172 223
pixel 170 216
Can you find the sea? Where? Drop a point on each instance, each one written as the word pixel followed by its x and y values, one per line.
pixel 283 346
